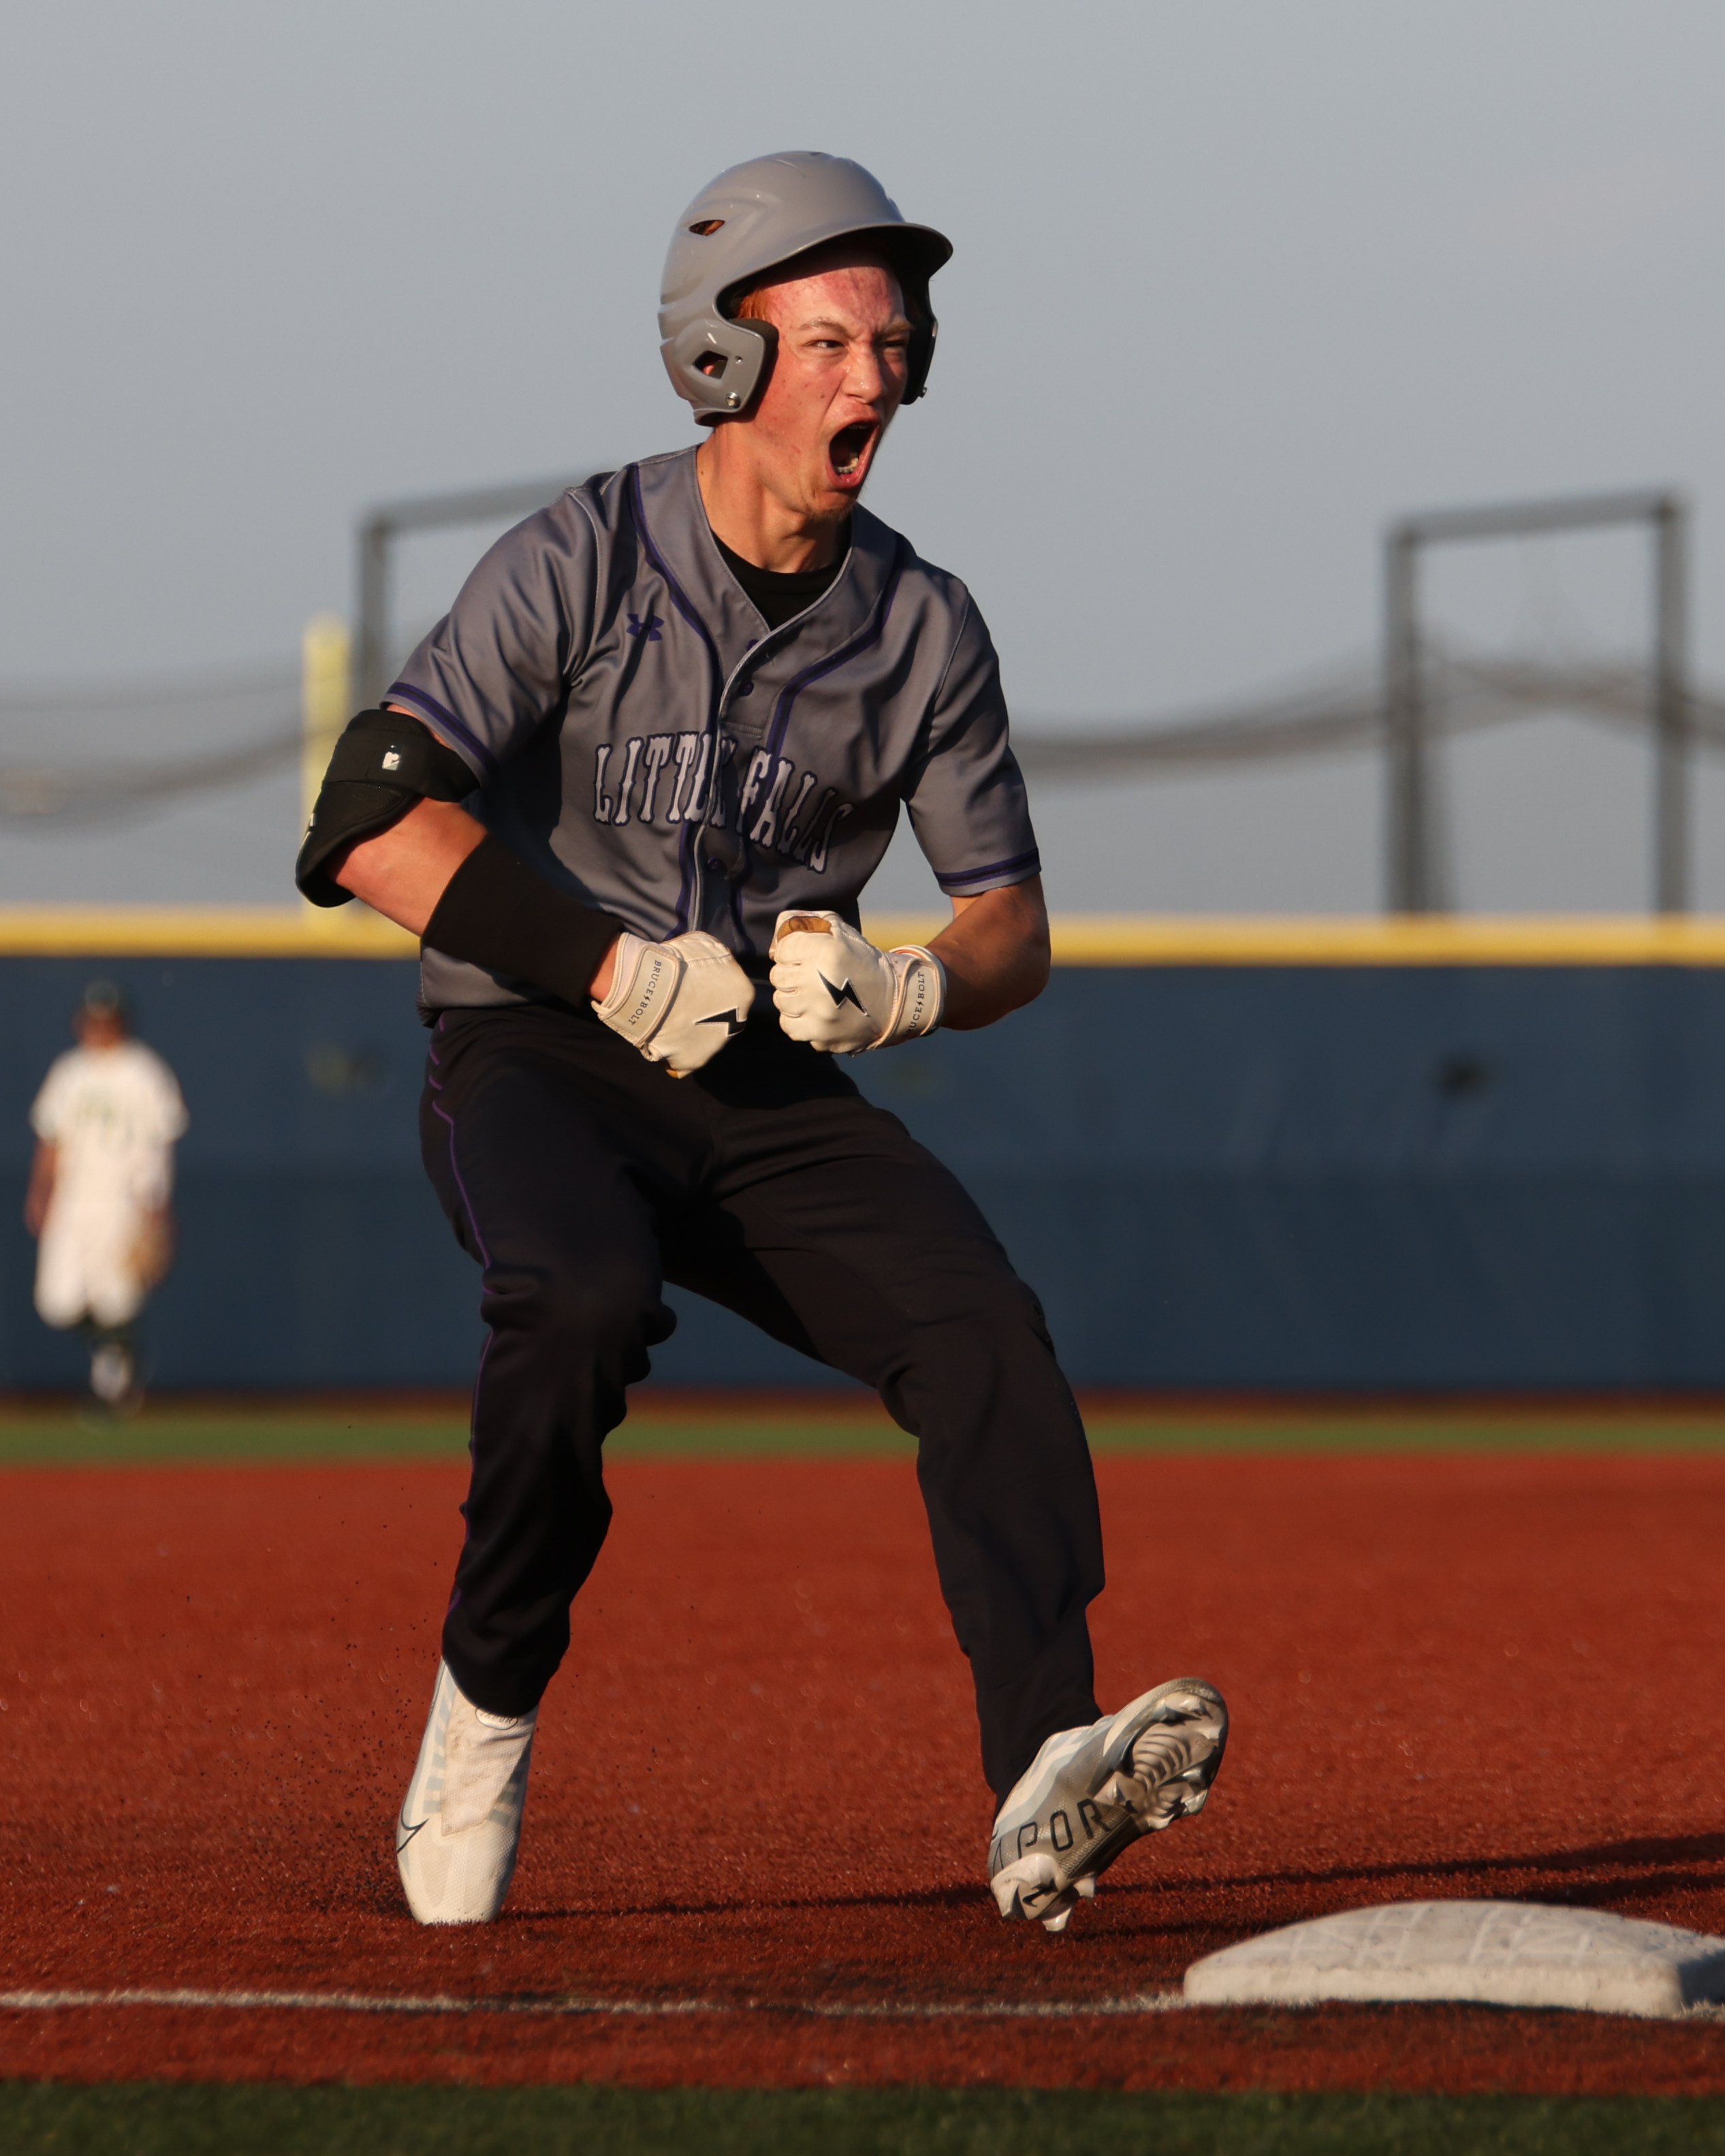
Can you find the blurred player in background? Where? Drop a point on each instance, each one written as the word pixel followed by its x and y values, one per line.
pixel 106 1121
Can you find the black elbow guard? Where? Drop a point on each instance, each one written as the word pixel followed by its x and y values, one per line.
pixel 382 764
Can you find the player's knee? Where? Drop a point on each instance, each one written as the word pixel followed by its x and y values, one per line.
pixel 116 1308
pixel 1000 1305
pixel 608 1301
pixel 61 1303
pixel 617 1302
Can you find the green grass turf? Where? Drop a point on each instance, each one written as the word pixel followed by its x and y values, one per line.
pixel 176 1431
pixel 158 2118
pixel 43 1437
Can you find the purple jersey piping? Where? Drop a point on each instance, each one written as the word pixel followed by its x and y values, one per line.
pixel 479 1375
pixel 433 709
pixel 485 1258
pixel 438 1110
pixel 860 642
pixel 685 607
pixel 1029 863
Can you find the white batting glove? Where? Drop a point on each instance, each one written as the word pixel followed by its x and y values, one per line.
pixel 680 1002
pixel 834 989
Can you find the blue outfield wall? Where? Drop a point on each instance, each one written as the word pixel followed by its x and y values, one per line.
pixel 1302 1176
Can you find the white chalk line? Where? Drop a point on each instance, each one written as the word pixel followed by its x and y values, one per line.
pixel 575 2008
pixel 571 2008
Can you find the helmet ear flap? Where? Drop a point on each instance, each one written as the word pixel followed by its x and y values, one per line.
pixel 920 358
pixel 721 366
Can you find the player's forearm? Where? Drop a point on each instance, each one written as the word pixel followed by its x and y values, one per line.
pixel 996 954
pixel 402 873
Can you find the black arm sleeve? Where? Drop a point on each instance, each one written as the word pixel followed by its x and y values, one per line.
pixel 495 912
pixel 382 764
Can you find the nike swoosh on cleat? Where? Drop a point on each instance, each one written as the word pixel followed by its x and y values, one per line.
pixel 403 1837
pixel 726 1018
pixel 847 994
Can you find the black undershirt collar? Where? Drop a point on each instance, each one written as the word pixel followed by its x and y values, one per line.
pixel 780 595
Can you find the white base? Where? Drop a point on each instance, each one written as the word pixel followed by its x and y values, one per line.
pixel 1501 1954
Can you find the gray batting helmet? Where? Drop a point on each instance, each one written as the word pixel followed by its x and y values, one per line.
pixel 755 217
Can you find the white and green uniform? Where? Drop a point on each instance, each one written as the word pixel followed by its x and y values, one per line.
pixel 113 1116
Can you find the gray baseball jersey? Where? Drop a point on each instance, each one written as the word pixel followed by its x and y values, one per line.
pixel 641 738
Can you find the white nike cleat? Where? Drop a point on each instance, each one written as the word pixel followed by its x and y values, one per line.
pixel 460 1821
pixel 1089 1793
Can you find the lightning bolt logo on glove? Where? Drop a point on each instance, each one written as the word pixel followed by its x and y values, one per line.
pixel 835 990
pixel 680 1002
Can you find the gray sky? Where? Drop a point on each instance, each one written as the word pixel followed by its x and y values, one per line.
pixel 1234 285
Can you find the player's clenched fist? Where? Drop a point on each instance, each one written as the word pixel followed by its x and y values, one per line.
pixel 834 989
pixel 680 1002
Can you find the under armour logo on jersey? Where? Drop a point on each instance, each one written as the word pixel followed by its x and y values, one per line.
pixel 846 994
pixel 649 629
pixel 729 1019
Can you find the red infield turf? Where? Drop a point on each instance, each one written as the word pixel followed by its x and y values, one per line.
pixel 755 1785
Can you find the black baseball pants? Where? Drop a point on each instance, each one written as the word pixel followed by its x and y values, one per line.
pixel 582 1178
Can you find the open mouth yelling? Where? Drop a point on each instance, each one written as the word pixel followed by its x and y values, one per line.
pixel 849 450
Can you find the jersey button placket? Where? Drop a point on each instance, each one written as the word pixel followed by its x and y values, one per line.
pixel 747 738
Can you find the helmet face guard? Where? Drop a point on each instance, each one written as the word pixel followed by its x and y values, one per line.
pixel 759 217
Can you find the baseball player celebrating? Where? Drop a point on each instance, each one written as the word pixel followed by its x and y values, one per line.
pixel 106 1121
pixel 628 792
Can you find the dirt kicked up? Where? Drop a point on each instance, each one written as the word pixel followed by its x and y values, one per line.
pixel 755 1827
